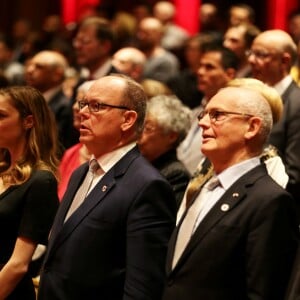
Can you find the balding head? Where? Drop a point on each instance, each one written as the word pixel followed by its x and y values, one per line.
pixel 279 40
pixel 46 70
pixel 164 11
pixel 130 61
pixel 272 55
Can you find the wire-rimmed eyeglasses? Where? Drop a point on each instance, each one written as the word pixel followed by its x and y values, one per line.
pixel 220 115
pixel 95 106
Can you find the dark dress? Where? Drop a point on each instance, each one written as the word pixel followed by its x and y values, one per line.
pixel 27 210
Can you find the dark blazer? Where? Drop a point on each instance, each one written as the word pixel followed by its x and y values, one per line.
pixel 184 86
pixel 175 172
pixel 285 136
pixel 293 292
pixel 114 245
pixel 244 247
pixel 59 104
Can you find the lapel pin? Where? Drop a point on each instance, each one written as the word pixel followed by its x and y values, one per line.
pixel 235 195
pixel 104 188
pixel 225 207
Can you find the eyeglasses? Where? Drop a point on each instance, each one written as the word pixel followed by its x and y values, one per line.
pixel 95 106
pixel 218 115
pixel 258 54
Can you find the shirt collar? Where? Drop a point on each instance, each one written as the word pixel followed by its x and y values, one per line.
pixel 50 93
pixel 282 85
pixel 107 161
pixel 233 173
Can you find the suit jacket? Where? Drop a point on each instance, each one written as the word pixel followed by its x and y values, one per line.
pixel 243 248
pixel 114 245
pixel 175 172
pixel 293 292
pixel 59 104
pixel 285 136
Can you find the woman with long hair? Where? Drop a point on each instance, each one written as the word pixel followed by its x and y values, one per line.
pixel 28 185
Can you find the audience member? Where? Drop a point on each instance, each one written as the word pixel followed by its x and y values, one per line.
pixel 209 19
pixel 21 29
pixel 155 88
pixel 161 64
pixel 185 84
pixel 270 157
pixel 293 23
pixel 46 72
pixel 217 67
pixel 241 13
pixel 272 55
pixel 11 69
pixel 166 125
pixel 109 239
pixel 28 185
pixel 93 45
pixel 124 26
pixel 239 39
pixel 238 237
pixel 130 61
pixel 78 154
pixel 174 36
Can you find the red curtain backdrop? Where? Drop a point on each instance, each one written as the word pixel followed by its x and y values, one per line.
pixel 277 12
pixel 74 10
pixel 187 14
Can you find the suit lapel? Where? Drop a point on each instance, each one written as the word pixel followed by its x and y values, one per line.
pixel 62 230
pixel 231 199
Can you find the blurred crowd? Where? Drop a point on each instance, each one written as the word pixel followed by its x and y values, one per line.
pixel 179 72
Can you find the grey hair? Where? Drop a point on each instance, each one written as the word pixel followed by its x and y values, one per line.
pixel 170 114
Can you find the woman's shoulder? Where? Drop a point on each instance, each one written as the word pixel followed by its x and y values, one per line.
pixel 42 175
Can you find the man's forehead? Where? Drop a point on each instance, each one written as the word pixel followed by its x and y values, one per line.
pixel 106 85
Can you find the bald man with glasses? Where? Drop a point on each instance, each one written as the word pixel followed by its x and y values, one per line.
pixel 273 53
pixel 109 238
pixel 238 236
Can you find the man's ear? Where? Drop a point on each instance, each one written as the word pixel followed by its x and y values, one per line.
pixel 254 126
pixel 130 117
pixel 28 122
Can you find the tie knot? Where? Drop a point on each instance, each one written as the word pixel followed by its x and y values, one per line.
pixel 213 183
pixel 94 165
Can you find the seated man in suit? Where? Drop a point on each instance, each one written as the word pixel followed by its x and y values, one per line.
pixel 109 238
pixel 238 237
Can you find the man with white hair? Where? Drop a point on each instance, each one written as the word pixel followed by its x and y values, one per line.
pixel 239 234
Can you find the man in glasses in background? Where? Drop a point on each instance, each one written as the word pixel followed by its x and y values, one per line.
pixel 272 55
pixel 109 238
pixel 217 67
pixel 239 234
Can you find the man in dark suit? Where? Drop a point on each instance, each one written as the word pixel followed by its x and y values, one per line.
pixel 45 71
pixel 113 246
pixel 93 44
pixel 237 240
pixel 272 55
